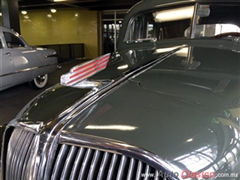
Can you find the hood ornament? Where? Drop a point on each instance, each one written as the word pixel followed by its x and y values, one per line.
pixel 77 76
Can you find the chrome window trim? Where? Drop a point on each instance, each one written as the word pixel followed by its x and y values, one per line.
pixel 193 21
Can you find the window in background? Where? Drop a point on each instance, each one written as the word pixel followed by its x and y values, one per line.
pixel 112 22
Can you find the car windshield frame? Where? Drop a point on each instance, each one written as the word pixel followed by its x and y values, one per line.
pixel 195 29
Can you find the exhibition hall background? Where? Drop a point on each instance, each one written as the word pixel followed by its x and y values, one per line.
pixel 72 26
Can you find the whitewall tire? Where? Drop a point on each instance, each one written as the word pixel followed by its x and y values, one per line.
pixel 39 82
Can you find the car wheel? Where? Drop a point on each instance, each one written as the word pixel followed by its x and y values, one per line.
pixel 39 82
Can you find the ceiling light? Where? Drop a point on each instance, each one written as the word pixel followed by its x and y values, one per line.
pixel 53 10
pixel 24 12
pixel 0 14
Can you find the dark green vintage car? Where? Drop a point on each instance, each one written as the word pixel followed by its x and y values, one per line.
pixel 166 106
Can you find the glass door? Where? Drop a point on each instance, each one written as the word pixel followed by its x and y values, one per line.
pixel 112 23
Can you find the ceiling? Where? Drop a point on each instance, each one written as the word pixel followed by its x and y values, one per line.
pixel 99 5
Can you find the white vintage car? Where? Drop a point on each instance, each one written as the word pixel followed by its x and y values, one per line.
pixel 21 63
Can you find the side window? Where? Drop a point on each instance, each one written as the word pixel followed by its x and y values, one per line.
pixel 13 41
pixel 136 30
pixel 160 24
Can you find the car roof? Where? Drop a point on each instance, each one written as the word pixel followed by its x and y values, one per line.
pixel 180 1
pixel 3 28
pixel 146 5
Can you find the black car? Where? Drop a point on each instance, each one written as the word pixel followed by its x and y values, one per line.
pixel 166 106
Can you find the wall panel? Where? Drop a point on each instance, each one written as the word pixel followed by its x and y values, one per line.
pixel 66 26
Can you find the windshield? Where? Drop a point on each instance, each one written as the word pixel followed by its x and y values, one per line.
pixel 213 20
pixel 210 20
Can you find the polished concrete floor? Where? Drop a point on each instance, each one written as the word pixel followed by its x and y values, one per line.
pixel 13 99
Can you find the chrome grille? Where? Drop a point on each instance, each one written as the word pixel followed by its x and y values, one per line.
pixel 80 163
pixel 17 154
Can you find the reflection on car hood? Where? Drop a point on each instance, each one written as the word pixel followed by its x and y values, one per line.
pixel 183 109
pixel 177 120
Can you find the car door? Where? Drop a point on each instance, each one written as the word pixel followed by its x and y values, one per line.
pixel 6 67
pixel 21 56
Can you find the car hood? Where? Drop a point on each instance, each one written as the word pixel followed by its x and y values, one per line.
pixel 62 97
pixel 171 125
pixel 185 109
pixel 43 49
pixel 185 112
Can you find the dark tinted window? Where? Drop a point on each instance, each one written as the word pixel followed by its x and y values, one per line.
pixel 12 40
pixel 160 24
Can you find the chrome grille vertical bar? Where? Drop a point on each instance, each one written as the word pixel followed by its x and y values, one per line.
pixel 25 164
pixel 11 151
pixel 68 163
pixel 103 166
pixel 18 152
pixel 77 164
pixel 93 165
pixel 130 173
pixel 121 168
pixel 139 170
pixel 59 162
pixel 83 171
pixel 156 177
pixel 17 155
pixel 112 166
pixel 20 162
pixel 147 172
